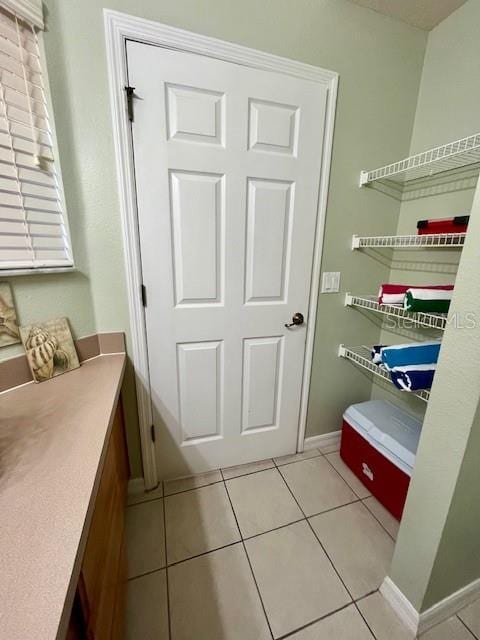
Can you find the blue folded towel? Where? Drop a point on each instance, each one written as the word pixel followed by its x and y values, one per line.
pixel 413 378
pixel 404 355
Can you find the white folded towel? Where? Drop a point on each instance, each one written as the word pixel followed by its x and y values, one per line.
pixel 432 294
pixel 393 298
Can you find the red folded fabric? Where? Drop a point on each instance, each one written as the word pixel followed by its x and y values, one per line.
pixel 458 224
pixel 398 291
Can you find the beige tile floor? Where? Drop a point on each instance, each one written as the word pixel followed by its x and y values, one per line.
pixel 288 548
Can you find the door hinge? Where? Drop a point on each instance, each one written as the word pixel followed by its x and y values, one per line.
pixel 152 432
pixel 143 293
pixel 130 91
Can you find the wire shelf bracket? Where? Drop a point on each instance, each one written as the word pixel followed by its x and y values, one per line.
pixel 428 320
pixel 361 357
pixel 454 155
pixel 431 240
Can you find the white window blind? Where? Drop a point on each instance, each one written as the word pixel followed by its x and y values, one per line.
pixel 33 226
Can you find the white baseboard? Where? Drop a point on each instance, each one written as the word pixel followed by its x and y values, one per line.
pixel 399 603
pixel 324 440
pixel 136 485
pixel 417 622
pixel 449 606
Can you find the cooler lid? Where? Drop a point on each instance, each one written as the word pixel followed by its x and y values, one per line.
pixel 387 427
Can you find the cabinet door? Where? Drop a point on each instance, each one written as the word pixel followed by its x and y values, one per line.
pixel 102 579
pixel 103 622
pixel 94 560
pixel 77 625
pixel 118 627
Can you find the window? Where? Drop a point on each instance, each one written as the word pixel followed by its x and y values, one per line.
pixel 33 225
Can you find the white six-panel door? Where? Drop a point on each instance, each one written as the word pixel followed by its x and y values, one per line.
pixel 227 162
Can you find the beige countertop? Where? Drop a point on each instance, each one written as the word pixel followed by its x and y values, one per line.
pixel 52 443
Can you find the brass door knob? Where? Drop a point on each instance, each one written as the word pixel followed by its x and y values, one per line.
pixel 297 318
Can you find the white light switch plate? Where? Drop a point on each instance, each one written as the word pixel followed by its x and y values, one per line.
pixel 331 282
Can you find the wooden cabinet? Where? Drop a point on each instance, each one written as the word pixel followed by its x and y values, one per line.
pixel 98 609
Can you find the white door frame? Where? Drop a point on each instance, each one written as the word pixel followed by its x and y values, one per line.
pixel 120 27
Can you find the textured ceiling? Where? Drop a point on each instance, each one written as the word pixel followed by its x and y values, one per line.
pixel 424 14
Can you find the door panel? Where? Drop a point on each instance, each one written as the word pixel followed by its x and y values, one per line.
pixel 200 382
pixel 197 221
pixel 273 127
pixel 195 115
pixel 269 226
pixel 227 163
pixel 262 381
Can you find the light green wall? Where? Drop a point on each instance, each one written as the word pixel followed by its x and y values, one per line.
pixel 457 563
pixel 379 61
pixel 449 92
pixel 436 486
pixel 44 296
pixel 437 549
pixel 446 110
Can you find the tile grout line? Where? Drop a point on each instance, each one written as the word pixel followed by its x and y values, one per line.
pixel 328 557
pixel 304 517
pixel 346 481
pixel 360 499
pixel 312 622
pixel 135 504
pixel 328 615
pixel 166 565
pixel 340 506
pixel 146 573
pixel 318 539
pixel 377 519
pixel 255 535
pixel 367 595
pixel 249 473
pixel 208 484
pixel 248 559
pixel 222 479
pixel 204 553
pixel 252 537
pixel 321 513
pixel 319 455
pixel 466 625
pixel 281 526
pixel 355 604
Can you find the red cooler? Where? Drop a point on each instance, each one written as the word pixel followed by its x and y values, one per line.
pixel 379 444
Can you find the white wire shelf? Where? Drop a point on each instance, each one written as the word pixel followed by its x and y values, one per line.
pixel 431 240
pixel 361 357
pixel 454 155
pixel 428 320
